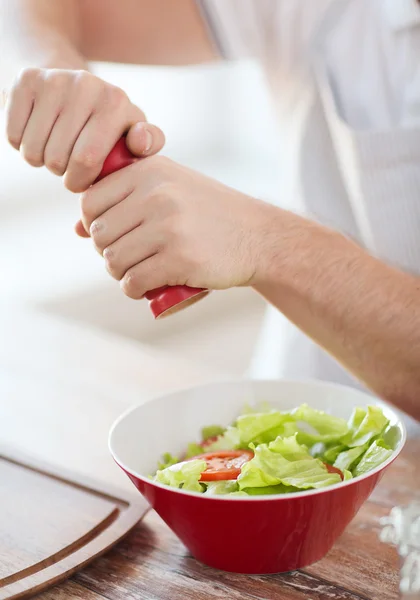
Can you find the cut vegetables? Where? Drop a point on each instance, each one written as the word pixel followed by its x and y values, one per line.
pixel 275 452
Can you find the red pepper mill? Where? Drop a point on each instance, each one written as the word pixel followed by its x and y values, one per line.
pixel 166 300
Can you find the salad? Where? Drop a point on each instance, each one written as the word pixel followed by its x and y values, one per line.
pixel 275 452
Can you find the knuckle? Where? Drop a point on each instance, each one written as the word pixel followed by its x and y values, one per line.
pixel 131 285
pixel 96 230
pixel 28 75
pixel 86 205
pixel 159 197
pixel 32 157
pixel 73 184
pixel 85 79
pixel 88 158
pixel 115 97
pixel 13 139
pixel 55 79
pixel 112 262
pixel 56 164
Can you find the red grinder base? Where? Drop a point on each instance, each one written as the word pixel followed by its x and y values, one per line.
pixel 169 300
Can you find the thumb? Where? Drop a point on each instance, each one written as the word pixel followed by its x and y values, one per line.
pixel 144 139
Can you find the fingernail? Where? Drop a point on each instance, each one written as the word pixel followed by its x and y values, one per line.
pixel 149 142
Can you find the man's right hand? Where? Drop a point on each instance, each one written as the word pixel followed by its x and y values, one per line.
pixel 69 121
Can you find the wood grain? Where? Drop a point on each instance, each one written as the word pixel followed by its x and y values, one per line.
pixel 70 590
pixel 53 523
pixel 152 564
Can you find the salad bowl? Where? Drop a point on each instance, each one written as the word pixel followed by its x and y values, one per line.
pixel 240 531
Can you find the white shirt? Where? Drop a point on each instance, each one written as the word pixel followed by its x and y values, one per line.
pixel 345 78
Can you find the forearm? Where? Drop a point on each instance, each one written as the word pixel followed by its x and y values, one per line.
pixel 363 312
pixel 38 33
pixel 67 33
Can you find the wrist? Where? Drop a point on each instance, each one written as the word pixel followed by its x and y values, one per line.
pixel 60 55
pixel 290 250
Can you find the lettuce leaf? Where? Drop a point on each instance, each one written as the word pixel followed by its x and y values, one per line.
pixel 194 449
pixel 375 455
pixel 330 455
pixel 216 488
pixel 374 422
pixel 290 449
pixel 317 426
pixel 230 440
pixel 167 460
pixel 183 475
pixel 287 462
pixel 356 418
pixel 346 459
pixel 212 431
pixel 259 428
pixel 271 489
pixel 392 436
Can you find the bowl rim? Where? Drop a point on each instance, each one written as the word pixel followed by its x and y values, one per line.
pixel 268 497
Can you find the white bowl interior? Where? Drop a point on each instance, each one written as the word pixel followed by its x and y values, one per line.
pixel 167 424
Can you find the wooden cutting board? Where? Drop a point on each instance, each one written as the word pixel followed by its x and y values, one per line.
pixel 53 523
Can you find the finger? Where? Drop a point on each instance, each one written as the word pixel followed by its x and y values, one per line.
pixel 105 194
pixel 148 275
pixel 116 222
pixel 48 103
pixel 144 139
pixel 133 248
pixel 80 230
pixel 98 137
pixel 80 104
pixel 19 106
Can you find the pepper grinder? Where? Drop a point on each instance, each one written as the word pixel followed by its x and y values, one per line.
pixel 166 300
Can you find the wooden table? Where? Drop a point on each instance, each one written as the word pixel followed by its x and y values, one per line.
pixel 68 380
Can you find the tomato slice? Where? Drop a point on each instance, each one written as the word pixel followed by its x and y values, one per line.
pixel 332 469
pixel 224 465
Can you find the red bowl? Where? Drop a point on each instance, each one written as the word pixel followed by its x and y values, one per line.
pixel 266 534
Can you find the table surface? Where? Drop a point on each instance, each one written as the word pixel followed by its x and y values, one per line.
pixel 62 382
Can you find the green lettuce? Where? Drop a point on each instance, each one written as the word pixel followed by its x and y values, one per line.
pixel 183 475
pixel 167 460
pixel 286 462
pixel 270 490
pixel 212 431
pixel 217 488
pixel 345 460
pixel 291 450
pixel 230 440
pixel 316 426
pixel 374 422
pixel 259 428
pixel 194 449
pixel 392 436
pixel 356 418
pixel 330 455
pixel 375 455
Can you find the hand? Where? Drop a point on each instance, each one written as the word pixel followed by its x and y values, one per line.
pixel 157 223
pixel 70 120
